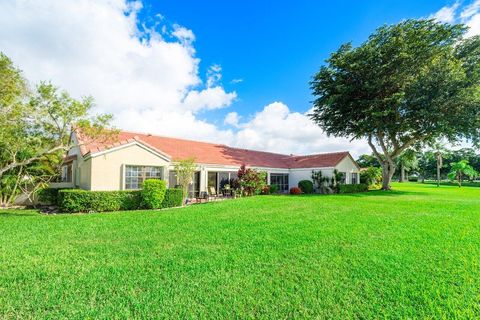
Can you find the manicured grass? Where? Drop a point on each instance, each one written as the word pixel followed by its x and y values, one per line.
pixel 411 253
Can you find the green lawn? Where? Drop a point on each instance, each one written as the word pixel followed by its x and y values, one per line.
pixel 411 253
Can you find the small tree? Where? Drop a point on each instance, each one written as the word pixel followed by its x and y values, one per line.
pixel 461 169
pixel 184 170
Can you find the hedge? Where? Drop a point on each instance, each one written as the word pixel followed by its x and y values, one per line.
pixel 173 198
pixel 98 201
pixel 352 188
pixel 306 186
pixel 48 196
pixel 153 192
pixel 75 200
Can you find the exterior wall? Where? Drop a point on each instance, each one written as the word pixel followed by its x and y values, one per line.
pixel 348 165
pixel 107 170
pixel 297 175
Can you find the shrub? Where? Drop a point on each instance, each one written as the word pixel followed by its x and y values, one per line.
pixel 48 196
pixel 295 190
pixel 352 188
pixel 74 200
pixel 251 181
pixel 273 188
pixel 306 186
pixel 371 176
pixel 153 192
pixel 266 190
pixel 173 198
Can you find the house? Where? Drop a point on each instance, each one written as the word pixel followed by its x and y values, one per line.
pixel 134 157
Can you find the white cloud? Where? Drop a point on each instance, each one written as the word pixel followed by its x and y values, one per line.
pixel 277 129
pixel 446 14
pixel 235 81
pixel 147 76
pixel 232 118
pixel 468 15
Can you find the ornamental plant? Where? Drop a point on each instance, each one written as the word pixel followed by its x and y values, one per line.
pixel 153 193
pixel 251 181
pixel 295 190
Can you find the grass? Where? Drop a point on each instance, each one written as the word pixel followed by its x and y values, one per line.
pixel 410 253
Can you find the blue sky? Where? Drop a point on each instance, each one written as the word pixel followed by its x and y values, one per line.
pixel 221 71
pixel 276 46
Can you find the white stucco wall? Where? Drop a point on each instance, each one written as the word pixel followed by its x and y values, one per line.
pixel 297 175
pixel 348 166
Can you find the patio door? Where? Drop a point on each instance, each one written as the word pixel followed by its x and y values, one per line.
pixel 194 187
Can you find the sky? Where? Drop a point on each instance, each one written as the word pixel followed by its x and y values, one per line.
pixel 233 72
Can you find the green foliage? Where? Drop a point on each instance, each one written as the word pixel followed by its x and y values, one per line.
pixel 48 196
pixel 35 130
pixel 273 188
pixel 74 200
pixel 409 84
pixel 352 188
pixel 460 170
pixel 306 186
pixel 372 176
pixel 184 170
pixel 153 193
pixel 173 198
pixel 368 160
pixel 251 181
pixel 295 190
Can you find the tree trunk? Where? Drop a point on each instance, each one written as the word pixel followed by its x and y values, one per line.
pixel 402 173
pixel 388 169
pixel 438 176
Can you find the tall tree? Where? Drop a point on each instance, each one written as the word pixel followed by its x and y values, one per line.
pixel 409 84
pixel 36 126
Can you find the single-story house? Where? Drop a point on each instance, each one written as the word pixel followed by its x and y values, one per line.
pixel 134 157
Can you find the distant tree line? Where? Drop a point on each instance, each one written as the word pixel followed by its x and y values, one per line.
pixel 423 164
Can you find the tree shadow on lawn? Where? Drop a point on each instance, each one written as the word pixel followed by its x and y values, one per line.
pixel 5 213
pixel 383 193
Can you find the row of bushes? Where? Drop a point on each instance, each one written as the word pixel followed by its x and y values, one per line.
pixel 154 195
pixel 74 200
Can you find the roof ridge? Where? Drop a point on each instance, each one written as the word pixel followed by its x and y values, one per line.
pixel 320 154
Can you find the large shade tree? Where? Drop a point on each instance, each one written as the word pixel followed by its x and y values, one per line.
pixel 408 85
pixel 35 129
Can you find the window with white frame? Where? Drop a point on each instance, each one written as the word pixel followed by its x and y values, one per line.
pixel 67 173
pixel 354 178
pixel 135 175
pixel 281 180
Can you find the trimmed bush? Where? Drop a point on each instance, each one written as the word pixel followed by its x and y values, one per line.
pixel 306 186
pixel 153 192
pixel 352 188
pixel 273 188
pixel 74 200
pixel 173 198
pixel 48 196
pixel 295 190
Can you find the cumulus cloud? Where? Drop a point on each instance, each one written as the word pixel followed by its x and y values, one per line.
pixel 278 129
pixel 466 14
pixel 145 74
pixel 232 118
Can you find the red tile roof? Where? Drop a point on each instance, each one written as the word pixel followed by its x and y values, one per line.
pixel 211 153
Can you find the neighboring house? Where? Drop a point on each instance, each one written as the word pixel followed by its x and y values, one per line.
pixel 125 164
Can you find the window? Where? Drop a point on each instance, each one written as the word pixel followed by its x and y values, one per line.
pixel 67 173
pixel 172 179
pixel 135 175
pixel 354 178
pixel 281 180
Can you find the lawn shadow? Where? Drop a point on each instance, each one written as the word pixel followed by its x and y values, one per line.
pixel 383 193
pixel 5 213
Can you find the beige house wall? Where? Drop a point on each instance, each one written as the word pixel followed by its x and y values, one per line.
pixel 107 170
pixel 347 165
